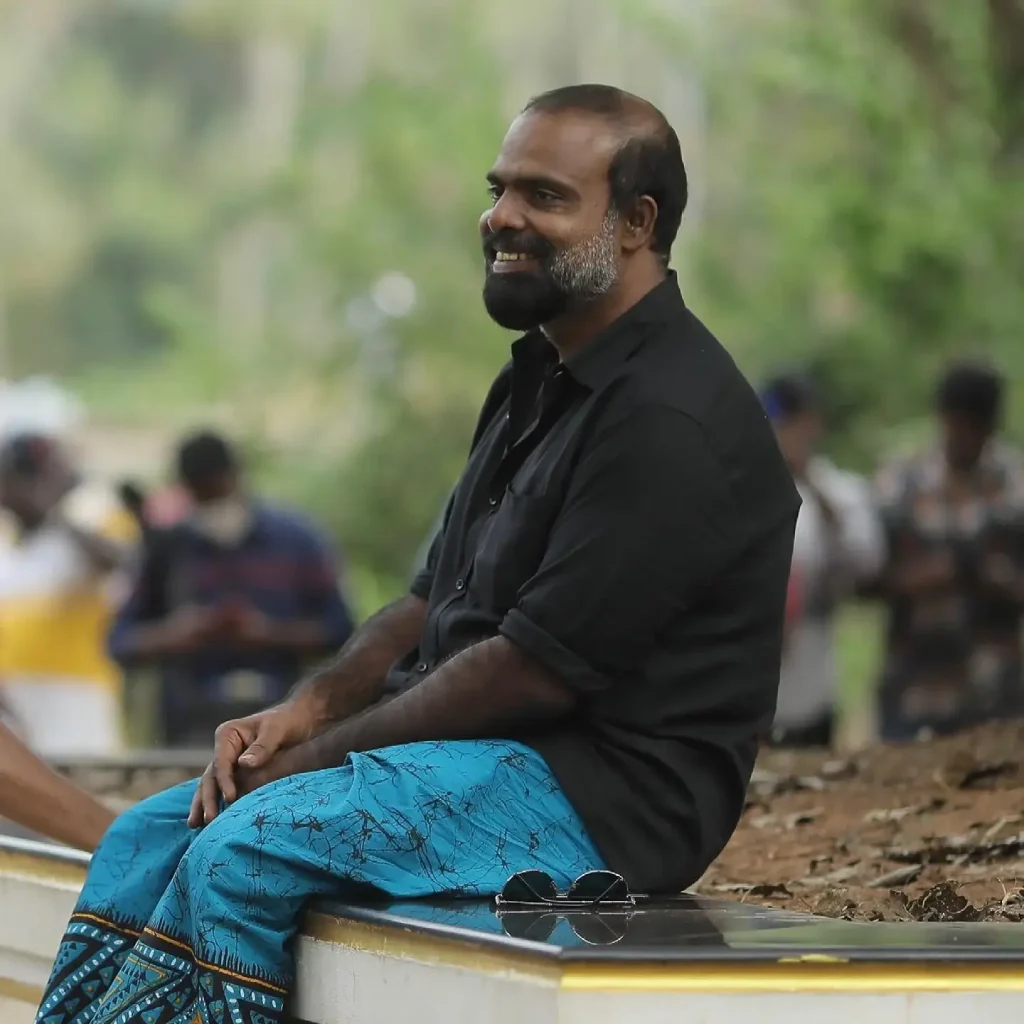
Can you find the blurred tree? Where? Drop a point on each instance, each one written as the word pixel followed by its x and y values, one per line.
pixel 867 220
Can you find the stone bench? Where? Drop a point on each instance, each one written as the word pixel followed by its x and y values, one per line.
pixel 692 959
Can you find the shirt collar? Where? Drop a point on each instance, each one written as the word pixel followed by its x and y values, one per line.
pixel 605 355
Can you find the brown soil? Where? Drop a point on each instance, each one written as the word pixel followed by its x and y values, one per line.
pixel 927 831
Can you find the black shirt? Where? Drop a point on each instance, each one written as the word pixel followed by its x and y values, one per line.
pixel 627 519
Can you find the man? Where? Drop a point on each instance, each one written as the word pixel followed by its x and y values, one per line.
pixel 838 545
pixel 232 603
pixel 60 579
pixel 954 577
pixel 580 672
pixel 36 797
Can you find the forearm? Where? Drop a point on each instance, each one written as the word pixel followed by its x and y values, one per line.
pixel 141 642
pixel 105 554
pixel 488 690
pixel 35 796
pixel 355 678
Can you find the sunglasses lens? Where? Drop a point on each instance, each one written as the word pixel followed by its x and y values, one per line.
pixel 599 887
pixel 597 929
pixel 529 887
pixel 531 927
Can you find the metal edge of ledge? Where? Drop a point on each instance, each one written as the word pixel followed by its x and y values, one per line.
pixel 789 972
pixel 44 861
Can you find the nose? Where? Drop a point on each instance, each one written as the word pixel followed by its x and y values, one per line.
pixel 505 215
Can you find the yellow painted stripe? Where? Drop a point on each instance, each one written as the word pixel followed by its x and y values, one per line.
pixel 814 973
pixel 43 869
pixel 20 992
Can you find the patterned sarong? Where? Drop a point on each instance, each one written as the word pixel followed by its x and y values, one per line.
pixel 176 926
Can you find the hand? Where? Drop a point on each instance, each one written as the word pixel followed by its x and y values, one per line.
pixel 186 629
pixel 247 744
pixel 251 627
pixel 937 570
pixel 1000 571
pixel 288 761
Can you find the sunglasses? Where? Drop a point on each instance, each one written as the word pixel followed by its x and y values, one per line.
pixel 531 889
pixel 595 928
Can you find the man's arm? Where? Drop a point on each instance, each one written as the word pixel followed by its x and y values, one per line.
pixel 489 689
pixel 637 538
pixel 35 796
pixel 343 687
pixel 355 678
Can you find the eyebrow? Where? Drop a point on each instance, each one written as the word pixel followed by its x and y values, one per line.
pixel 534 181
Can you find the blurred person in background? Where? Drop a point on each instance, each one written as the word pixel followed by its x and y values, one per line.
pixel 34 796
pixel 838 544
pixel 231 603
pixel 954 578
pixel 61 577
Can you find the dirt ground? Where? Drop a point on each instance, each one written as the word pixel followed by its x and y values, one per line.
pixel 927 831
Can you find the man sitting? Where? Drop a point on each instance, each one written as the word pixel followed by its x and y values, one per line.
pixel 580 673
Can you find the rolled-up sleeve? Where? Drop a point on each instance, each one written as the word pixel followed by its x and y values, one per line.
pixel 647 523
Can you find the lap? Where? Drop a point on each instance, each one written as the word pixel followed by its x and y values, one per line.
pixel 410 820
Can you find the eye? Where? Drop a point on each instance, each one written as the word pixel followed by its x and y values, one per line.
pixel 546 196
pixel 494 191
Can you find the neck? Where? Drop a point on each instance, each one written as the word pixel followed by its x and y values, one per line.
pixel 576 328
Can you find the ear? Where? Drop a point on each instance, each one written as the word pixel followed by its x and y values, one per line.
pixel 638 226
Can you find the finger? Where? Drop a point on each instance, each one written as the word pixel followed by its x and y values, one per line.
pixel 228 744
pixel 263 747
pixel 210 796
pixel 195 813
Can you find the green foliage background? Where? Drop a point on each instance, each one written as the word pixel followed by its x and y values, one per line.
pixel 200 195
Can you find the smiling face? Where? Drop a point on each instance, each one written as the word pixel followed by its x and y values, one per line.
pixel 551 238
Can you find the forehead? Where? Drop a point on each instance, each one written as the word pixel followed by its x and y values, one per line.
pixel 571 146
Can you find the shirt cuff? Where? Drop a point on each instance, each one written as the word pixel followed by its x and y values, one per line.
pixel 553 655
pixel 421 584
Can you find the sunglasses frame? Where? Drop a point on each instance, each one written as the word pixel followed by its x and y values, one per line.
pixel 562 901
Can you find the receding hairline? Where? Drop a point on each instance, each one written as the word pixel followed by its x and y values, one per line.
pixel 633 117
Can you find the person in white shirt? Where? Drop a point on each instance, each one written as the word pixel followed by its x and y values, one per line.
pixel 62 573
pixel 838 545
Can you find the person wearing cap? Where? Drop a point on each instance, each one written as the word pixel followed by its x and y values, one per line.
pixel 838 544
pixel 60 580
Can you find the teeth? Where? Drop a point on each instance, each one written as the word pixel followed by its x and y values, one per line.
pixel 507 256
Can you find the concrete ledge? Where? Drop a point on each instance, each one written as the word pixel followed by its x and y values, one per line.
pixel 428 962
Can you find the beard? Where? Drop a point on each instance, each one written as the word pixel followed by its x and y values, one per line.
pixel 522 300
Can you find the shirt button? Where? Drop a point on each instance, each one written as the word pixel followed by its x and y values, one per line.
pixel 460 584
pixel 421 667
pixel 493 502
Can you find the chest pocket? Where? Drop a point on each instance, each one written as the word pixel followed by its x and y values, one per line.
pixel 510 548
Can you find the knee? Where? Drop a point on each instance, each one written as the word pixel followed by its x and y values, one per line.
pixel 215 845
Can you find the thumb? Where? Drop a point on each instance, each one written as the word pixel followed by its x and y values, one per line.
pixel 263 747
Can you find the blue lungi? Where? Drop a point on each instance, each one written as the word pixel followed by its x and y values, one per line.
pixel 177 925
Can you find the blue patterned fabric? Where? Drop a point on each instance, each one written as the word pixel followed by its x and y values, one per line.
pixel 176 926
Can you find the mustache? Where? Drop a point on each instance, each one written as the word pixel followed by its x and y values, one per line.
pixel 517 241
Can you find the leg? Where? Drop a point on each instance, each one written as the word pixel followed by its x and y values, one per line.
pixel 127 876
pixel 409 821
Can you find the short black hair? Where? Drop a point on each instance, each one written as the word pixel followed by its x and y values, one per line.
pixel 789 394
pixel 973 390
pixel 26 454
pixel 648 163
pixel 204 457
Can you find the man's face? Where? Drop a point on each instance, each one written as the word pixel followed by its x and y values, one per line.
pixel 963 439
pixel 551 239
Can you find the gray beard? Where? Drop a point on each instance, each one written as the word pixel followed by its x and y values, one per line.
pixel 589 268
